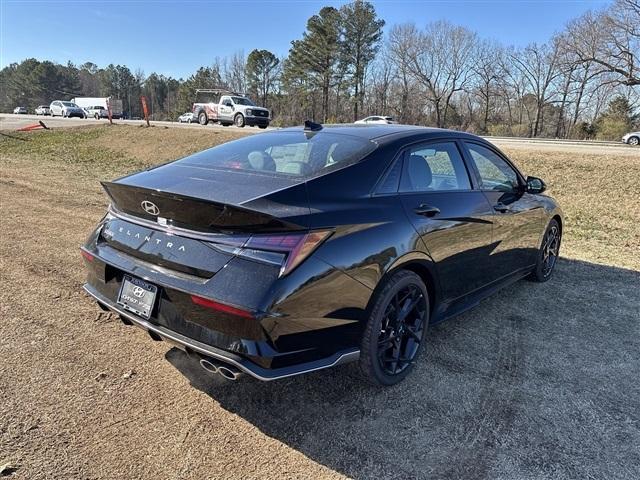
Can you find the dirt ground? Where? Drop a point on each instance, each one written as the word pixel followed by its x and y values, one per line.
pixel 540 381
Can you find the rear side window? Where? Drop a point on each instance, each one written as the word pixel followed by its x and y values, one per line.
pixel 296 154
pixel 434 167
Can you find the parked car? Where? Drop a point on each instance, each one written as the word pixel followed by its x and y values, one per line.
pixel 43 110
pixel 20 110
pixel 375 119
pixel 97 112
pixel 306 248
pixel 228 108
pixel 186 118
pixel 632 138
pixel 66 109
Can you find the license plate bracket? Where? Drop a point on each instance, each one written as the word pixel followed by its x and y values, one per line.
pixel 137 296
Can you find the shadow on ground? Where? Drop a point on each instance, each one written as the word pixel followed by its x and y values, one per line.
pixel 540 381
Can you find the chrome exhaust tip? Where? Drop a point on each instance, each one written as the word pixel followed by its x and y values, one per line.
pixel 208 365
pixel 230 373
pixel 213 366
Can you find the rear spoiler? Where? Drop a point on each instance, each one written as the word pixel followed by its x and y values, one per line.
pixel 191 213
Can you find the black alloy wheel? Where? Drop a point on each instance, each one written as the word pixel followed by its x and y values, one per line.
pixel 548 253
pixel 396 329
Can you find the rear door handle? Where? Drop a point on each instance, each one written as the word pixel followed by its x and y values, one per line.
pixel 426 210
pixel 501 207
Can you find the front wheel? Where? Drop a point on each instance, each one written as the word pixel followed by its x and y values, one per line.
pixel 262 126
pixel 396 329
pixel 635 141
pixel 548 253
pixel 239 120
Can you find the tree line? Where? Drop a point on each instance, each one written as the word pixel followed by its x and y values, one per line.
pixel 584 82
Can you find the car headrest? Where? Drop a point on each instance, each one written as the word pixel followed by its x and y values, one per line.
pixel 261 161
pixel 419 173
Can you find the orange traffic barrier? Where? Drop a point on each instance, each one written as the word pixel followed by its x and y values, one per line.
pixel 35 126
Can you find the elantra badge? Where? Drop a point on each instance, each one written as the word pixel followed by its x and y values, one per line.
pixel 150 207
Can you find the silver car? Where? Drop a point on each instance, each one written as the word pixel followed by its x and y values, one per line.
pixel 186 118
pixel 43 110
pixel 377 119
pixel 632 138
pixel 66 109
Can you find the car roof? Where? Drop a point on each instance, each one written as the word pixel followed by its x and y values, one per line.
pixel 388 132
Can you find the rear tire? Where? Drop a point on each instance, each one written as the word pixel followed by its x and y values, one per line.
pixel 548 253
pixel 396 329
pixel 203 119
pixel 262 126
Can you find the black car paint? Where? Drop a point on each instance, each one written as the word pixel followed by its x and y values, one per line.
pixel 311 317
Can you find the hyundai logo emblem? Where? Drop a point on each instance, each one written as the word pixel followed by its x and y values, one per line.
pixel 150 207
pixel 138 292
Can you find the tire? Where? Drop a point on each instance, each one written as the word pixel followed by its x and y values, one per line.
pixel 635 141
pixel 548 253
pixel 97 117
pixel 263 126
pixel 188 121
pixel 238 120
pixel 203 119
pixel 386 337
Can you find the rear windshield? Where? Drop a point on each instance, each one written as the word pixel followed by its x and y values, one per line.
pixel 285 153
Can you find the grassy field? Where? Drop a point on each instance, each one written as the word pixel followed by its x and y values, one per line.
pixel 539 382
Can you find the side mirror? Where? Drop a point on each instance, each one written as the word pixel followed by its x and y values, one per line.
pixel 535 185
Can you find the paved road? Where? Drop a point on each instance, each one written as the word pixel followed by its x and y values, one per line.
pixel 10 121
pixel 13 122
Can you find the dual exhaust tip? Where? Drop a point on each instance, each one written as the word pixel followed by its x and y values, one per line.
pixel 213 366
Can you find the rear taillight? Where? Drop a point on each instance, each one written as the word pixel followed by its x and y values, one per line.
pixel 87 256
pixel 220 307
pixel 289 250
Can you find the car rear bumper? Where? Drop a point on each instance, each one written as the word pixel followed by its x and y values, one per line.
pixel 191 345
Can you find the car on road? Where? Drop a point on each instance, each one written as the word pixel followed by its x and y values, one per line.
pixel 632 138
pixel 186 118
pixel 42 110
pixel 96 111
pixel 228 108
pixel 377 119
pixel 306 248
pixel 66 109
pixel 20 110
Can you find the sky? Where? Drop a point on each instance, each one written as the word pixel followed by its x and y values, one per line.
pixel 176 37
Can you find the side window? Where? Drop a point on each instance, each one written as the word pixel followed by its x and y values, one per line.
pixel 434 167
pixel 495 173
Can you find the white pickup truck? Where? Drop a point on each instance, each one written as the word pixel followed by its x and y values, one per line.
pixel 228 108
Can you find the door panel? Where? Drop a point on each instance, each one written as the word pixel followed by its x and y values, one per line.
pixel 518 215
pixel 453 221
pixel 458 238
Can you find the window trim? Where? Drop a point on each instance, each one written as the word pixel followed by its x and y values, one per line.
pixel 472 165
pixel 400 155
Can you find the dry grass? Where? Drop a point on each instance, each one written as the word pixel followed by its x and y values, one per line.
pixel 538 382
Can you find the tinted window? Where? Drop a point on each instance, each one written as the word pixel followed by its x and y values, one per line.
pixel 434 167
pixel 495 173
pixel 284 153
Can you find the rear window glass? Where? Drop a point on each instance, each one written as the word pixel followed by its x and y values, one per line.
pixel 296 154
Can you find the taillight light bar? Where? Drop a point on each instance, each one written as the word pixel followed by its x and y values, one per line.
pixel 86 255
pixel 220 307
pixel 296 246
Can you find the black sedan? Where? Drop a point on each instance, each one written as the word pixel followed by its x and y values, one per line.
pixel 300 249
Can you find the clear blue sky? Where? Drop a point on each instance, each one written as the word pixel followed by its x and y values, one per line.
pixel 176 37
